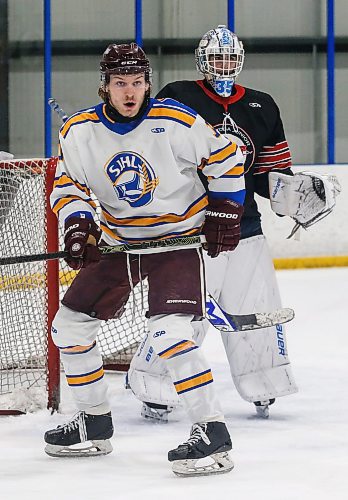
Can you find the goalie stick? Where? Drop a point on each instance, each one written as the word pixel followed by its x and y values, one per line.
pixel 226 322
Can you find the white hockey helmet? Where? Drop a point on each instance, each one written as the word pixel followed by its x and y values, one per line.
pixel 220 58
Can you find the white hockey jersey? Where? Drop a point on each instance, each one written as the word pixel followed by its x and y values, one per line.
pixel 144 172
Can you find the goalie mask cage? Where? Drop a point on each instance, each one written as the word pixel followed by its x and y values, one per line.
pixel 30 293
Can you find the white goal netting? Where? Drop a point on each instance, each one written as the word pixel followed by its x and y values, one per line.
pixel 26 291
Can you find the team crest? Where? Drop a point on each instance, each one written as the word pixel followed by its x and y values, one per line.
pixel 239 136
pixel 133 178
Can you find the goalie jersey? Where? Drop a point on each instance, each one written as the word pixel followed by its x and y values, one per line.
pixel 143 173
pixel 252 120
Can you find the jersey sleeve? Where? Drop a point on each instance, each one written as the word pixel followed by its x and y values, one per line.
pixel 70 196
pixel 274 156
pixel 218 159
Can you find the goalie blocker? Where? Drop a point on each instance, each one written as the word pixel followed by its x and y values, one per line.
pixel 306 197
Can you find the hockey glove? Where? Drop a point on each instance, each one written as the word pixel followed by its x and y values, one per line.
pixel 81 242
pixel 222 226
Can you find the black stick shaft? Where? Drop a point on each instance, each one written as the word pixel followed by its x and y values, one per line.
pixel 173 242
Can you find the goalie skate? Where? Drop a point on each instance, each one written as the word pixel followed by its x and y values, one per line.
pixel 204 453
pixel 68 440
pixel 155 412
pixel 262 407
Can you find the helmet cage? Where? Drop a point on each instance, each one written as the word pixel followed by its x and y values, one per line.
pixel 230 62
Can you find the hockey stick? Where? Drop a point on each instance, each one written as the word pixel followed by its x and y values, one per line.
pixel 126 247
pixel 226 322
pixel 60 111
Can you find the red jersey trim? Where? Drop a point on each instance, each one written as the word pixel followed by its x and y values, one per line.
pixel 224 101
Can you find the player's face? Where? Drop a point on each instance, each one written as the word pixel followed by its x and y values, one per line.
pixel 127 93
pixel 223 63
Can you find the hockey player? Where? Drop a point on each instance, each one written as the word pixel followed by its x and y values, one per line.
pixel 259 363
pixel 139 157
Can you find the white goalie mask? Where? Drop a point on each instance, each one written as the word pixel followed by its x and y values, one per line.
pixel 220 58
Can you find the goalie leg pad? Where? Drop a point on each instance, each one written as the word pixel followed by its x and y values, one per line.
pixel 250 285
pixel 149 378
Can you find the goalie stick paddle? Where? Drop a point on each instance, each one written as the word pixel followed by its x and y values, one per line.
pixel 226 322
pixel 126 247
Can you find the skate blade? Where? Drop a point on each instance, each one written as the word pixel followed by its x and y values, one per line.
pixel 262 412
pixel 96 448
pixel 156 418
pixel 196 467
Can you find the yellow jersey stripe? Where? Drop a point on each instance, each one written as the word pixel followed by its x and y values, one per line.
pixel 224 153
pixel 110 232
pixel 235 171
pixel 65 201
pixel 172 113
pixel 162 219
pixel 65 179
pixel 79 118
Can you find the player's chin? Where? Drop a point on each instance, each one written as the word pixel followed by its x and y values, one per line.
pixel 131 110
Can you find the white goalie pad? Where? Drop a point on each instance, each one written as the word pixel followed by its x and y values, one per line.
pixel 306 197
pixel 244 280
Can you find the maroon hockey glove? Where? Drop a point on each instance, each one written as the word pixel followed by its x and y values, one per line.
pixel 222 226
pixel 81 242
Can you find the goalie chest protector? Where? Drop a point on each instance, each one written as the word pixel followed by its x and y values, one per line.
pixel 251 119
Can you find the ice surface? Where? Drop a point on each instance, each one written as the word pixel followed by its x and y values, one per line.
pixel 301 452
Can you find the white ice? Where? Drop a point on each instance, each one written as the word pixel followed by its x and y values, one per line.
pixel 301 452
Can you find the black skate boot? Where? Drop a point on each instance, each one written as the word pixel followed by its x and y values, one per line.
pixel 209 439
pixel 262 407
pixel 156 412
pixel 81 428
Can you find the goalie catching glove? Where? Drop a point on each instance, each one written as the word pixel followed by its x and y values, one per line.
pixel 306 197
pixel 81 239
pixel 222 226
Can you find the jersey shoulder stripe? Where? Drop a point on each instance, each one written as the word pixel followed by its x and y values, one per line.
pixel 87 115
pixel 171 109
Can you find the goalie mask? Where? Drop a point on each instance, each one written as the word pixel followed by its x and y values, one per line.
pixel 123 59
pixel 220 58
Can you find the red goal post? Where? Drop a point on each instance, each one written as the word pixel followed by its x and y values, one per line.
pixel 30 293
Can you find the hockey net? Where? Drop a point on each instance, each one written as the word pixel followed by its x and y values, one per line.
pixel 30 293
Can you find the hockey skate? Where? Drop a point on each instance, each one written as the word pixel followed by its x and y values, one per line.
pixel 155 412
pixel 83 427
pixel 209 441
pixel 262 407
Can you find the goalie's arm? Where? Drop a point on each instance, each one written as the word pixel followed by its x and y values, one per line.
pixel 274 156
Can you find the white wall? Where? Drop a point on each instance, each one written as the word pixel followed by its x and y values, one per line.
pixel 327 237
